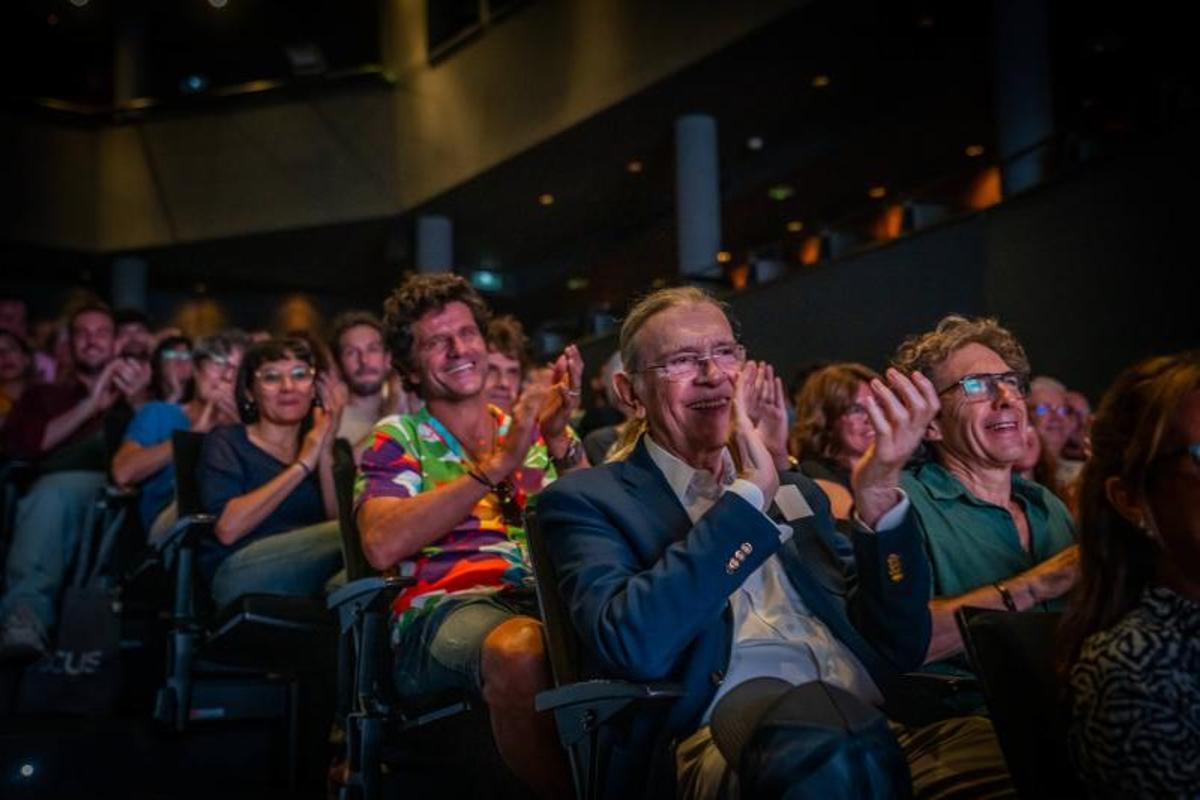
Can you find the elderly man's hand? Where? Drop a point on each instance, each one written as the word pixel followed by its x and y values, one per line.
pixel 766 407
pixel 757 462
pixel 900 413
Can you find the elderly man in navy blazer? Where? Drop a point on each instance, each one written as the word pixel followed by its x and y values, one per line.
pixel 711 565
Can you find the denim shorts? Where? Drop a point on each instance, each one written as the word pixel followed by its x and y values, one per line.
pixel 440 651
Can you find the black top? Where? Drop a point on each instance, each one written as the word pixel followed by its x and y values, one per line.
pixel 231 465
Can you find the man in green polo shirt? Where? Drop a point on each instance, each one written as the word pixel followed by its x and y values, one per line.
pixel 994 540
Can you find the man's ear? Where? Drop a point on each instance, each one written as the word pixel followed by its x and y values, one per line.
pixel 1127 502
pixel 624 386
pixel 933 431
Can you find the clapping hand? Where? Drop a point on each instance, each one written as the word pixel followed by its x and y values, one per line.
pixel 757 462
pixel 566 380
pixel 766 409
pixel 901 412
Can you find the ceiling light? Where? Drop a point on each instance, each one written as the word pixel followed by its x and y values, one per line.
pixel 974 150
pixel 79 3
pixel 487 281
pixel 218 3
pixel 578 283
pixel 780 192
pixel 795 226
pixel 876 192
pixel 546 199
pixel 754 143
pixel 820 81
pixel 724 257
pixel 634 167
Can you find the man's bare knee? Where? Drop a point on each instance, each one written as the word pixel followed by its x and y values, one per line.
pixel 514 663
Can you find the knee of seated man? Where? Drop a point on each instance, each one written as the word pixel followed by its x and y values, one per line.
pixel 514 662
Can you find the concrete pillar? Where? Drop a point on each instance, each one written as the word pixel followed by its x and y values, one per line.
pixel 697 197
pixel 1023 100
pixel 128 288
pixel 129 59
pixel 435 244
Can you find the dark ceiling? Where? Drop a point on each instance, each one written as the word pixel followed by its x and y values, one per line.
pixel 907 90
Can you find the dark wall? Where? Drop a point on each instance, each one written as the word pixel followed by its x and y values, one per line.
pixel 1091 271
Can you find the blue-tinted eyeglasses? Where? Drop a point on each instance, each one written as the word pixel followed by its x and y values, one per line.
pixel 986 385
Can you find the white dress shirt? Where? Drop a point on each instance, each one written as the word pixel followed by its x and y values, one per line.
pixel 774 634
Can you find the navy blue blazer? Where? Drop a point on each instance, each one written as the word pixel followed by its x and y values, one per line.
pixel 648 591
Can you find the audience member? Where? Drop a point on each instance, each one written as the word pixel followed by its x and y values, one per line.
pixel 677 565
pixel 833 429
pixel 172 370
pixel 1131 636
pixel 16 370
pixel 600 442
pixel 62 427
pixel 269 481
pixel 1078 446
pixel 145 457
pixel 507 362
pixel 440 496
pixel 14 315
pixel 1027 465
pixel 993 539
pixel 134 337
pixel 362 362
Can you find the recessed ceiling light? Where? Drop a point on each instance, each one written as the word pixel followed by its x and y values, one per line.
pixel 79 3
pixel 218 3
pixel 546 199
pixel 795 226
pixel 780 192
pixel 724 257
pixel 876 192
pixel 974 150
pixel 634 167
pixel 578 283
pixel 820 81
pixel 754 143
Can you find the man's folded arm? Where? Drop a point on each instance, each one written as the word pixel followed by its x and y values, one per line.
pixel 635 619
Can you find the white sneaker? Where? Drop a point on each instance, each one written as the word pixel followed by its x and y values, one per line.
pixel 22 637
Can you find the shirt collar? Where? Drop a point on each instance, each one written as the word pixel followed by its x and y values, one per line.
pixel 943 485
pixel 686 481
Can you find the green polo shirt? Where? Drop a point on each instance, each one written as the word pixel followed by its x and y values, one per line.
pixel 972 543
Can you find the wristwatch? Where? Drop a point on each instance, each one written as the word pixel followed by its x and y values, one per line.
pixel 571 457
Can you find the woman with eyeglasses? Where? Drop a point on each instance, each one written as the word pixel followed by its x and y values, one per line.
pixel 1130 638
pixel 145 455
pixel 832 429
pixel 171 370
pixel 269 481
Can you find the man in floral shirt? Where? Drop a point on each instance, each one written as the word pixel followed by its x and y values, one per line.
pixel 439 498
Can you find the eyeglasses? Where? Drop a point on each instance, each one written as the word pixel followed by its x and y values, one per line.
pixel 1042 409
pixel 219 364
pixel 856 411
pixel 273 378
pixel 177 355
pixel 986 385
pixel 686 365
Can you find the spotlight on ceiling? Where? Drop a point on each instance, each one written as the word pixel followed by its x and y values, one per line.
pixel 795 226
pixel 820 81
pixel 974 150
pixel 754 143
pixel 634 167
pixel 876 192
pixel 546 199
pixel 780 192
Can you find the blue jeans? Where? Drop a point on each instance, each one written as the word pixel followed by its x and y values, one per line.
pixel 297 563
pixel 52 520
pixel 440 651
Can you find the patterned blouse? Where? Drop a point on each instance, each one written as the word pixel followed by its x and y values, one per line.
pixel 1135 729
pixel 415 453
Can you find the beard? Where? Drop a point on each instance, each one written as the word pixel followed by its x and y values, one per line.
pixel 364 388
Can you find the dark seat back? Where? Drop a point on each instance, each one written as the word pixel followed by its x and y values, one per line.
pixel 344 474
pixel 562 642
pixel 1013 654
pixel 186 446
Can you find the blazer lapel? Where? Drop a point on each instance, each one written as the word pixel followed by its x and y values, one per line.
pixel 650 490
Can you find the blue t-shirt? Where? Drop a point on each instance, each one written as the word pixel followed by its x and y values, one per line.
pixel 230 466
pixel 154 424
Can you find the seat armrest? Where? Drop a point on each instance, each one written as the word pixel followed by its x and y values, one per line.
pixel 186 530
pixel 598 691
pixel 114 492
pixel 368 589
pixel 949 684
